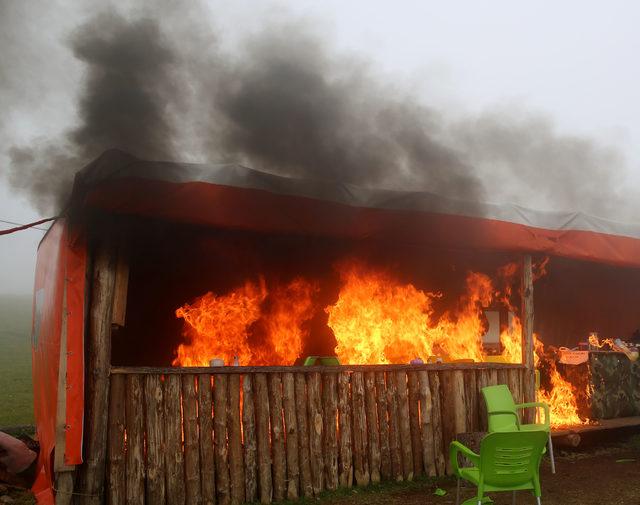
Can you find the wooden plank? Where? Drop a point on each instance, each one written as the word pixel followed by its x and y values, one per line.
pixel 314 407
pixel 383 426
pixel 471 400
pixel 135 441
pixel 426 424
pixel 265 485
pixel 329 427
pixel 98 356
pixel 360 460
pixel 207 458
pixel 121 287
pixel 483 380
pixel 277 437
pixel 250 440
pixel 173 455
pixel 116 484
pixel 405 425
pixel 394 428
pixel 436 419
pixel 154 422
pixel 345 477
pixel 234 429
pixel 220 446
pixel 453 408
pixel 514 379
pixel 241 370
pixel 414 423
pixel 371 410
pixel 306 487
pixel 528 386
pixel 291 430
pixel 191 440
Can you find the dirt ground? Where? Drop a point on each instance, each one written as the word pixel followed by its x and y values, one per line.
pixel 607 472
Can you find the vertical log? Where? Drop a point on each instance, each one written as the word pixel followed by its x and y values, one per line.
pixel 528 386
pixel 371 410
pixel 236 463
pixel 514 378
pixel 155 438
pixel 426 424
pixel 329 427
pixel 116 488
pixel 360 461
pixel 383 424
pixel 277 437
pixel 315 432
pixel 221 451
pixel 471 400
pixel 344 413
pixel 483 380
pixel 436 419
pixel 414 423
pixel 306 487
pixel 394 428
pixel 291 430
pixel 405 425
pixel 503 376
pixel 205 419
pixel 173 456
pixel 191 440
pixel 263 437
pixel 92 472
pixel 135 441
pixel 453 407
pixel 121 287
pixel 249 432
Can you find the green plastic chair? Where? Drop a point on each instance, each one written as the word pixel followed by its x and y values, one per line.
pixel 508 461
pixel 502 414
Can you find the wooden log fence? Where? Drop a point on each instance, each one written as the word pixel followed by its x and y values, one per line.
pixel 230 436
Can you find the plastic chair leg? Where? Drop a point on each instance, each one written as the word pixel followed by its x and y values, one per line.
pixel 458 492
pixel 538 500
pixel 553 460
pixel 513 500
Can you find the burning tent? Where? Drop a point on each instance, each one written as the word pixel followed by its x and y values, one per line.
pixel 156 264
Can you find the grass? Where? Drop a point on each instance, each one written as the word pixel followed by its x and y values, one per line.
pixel 16 394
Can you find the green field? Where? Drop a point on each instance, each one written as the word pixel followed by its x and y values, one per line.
pixel 16 397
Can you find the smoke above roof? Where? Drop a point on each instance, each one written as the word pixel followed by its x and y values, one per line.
pixel 157 83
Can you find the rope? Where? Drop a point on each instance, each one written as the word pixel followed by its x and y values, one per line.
pixel 26 226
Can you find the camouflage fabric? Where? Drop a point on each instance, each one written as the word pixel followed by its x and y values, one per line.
pixel 614 381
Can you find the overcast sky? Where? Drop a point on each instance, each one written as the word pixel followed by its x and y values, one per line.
pixel 574 61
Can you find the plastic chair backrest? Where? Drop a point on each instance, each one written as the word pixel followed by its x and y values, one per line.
pixel 499 398
pixel 510 459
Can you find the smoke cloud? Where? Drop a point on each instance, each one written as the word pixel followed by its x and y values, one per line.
pixel 158 84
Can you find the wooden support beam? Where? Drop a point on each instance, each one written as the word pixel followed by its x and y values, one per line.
pixel 528 383
pixel 121 288
pixel 98 364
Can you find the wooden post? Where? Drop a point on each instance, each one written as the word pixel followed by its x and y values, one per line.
pixel 383 423
pixel 265 484
pixel 236 464
pixel 249 432
pixel 155 438
pixel 116 489
pixel 414 420
pixel 121 288
pixel 453 408
pixel 330 415
pixel 291 429
pixel 173 455
pixel 191 440
pixel 394 428
pixel 528 386
pixel 306 487
pixel 221 454
pixel 97 366
pixel 344 418
pixel 360 461
pixel 405 426
pixel 372 426
pixel 135 441
pixel 207 458
pixel 471 400
pixel 315 432
pixel 426 424
pixel 277 437
pixel 436 418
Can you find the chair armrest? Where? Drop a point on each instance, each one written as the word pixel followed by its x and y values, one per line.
pixel 542 405
pixel 456 447
pixel 507 412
